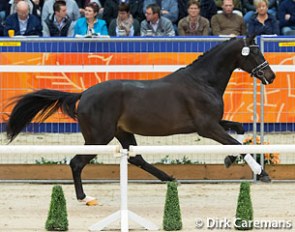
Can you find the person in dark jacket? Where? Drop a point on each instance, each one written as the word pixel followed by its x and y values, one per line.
pixel 287 17
pixel 59 23
pixel 22 22
pixel 3 10
pixel 263 23
pixel 110 11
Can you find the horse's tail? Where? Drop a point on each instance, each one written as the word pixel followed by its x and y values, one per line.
pixel 39 105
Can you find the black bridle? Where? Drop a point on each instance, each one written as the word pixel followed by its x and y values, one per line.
pixel 258 71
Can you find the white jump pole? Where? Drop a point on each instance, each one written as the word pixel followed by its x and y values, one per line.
pixel 123 214
pixel 216 149
pixel 59 149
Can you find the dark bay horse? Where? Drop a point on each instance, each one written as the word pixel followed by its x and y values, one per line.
pixel 187 101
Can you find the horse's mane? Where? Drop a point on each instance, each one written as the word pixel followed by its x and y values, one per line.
pixel 212 50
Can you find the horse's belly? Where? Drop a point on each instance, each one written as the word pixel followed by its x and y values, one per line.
pixel 152 127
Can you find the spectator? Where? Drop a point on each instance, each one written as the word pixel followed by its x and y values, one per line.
pixel 3 9
pixel 59 23
pixel 38 5
pixel 250 9
pixel 32 7
pixel 169 8
pixel 263 23
pixel 136 9
pixel 227 22
pixel 124 24
pixel 287 17
pixel 154 24
pixel 110 11
pixel 237 4
pixel 194 23
pixel 22 22
pixel 90 24
pixel 1 29
pixel 208 8
pixel 83 3
pixel 72 9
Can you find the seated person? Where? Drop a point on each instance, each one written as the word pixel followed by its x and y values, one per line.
pixel 72 9
pixel 110 11
pixel 90 25
pixel 208 8
pixel 59 23
pixel 82 4
pixel 194 23
pixel 287 17
pixel 22 22
pixel 13 3
pixel 238 8
pixel 3 10
pixel 124 24
pixel 168 8
pixel 154 24
pixel 227 22
pixel 263 23
pixel 250 8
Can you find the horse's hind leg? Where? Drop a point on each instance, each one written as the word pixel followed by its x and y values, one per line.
pixel 93 135
pixel 238 128
pixel 127 139
pixel 77 164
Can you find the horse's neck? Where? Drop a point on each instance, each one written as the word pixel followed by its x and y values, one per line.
pixel 222 70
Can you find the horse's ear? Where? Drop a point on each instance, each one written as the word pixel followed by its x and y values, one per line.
pixel 250 40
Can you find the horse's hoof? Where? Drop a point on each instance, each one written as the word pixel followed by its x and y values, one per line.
pixel 89 201
pixel 229 160
pixel 92 203
pixel 263 177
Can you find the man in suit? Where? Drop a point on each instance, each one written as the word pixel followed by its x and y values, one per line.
pixel 22 22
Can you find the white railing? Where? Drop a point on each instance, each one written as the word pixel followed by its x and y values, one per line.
pixel 124 215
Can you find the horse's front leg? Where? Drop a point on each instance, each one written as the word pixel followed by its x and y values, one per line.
pixel 217 133
pixel 77 164
pixel 238 128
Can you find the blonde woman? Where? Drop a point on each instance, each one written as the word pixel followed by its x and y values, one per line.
pixel 263 23
pixel 194 23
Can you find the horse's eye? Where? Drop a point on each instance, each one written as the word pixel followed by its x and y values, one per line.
pixel 255 51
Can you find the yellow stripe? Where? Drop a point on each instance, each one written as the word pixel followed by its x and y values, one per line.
pixel 286 44
pixel 10 44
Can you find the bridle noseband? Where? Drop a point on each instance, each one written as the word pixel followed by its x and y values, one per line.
pixel 258 71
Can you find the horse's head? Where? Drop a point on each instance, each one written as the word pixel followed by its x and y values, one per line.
pixel 253 62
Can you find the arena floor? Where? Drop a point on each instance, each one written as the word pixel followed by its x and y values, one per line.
pixel 24 207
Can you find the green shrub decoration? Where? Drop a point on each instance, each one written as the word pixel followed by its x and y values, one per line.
pixel 244 213
pixel 57 216
pixel 172 215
